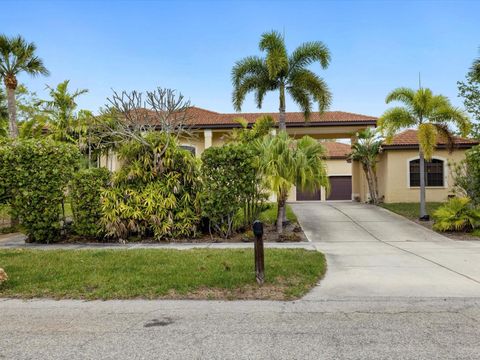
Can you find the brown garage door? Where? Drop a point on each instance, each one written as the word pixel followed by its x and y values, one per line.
pixel 340 188
pixel 303 195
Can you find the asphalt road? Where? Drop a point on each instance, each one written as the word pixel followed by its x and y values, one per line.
pixel 337 329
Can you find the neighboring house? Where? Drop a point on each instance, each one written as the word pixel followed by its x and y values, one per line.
pixel 347 180
pixel 398 168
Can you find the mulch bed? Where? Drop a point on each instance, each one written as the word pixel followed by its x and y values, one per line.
pixel 292 232
pixel 461 236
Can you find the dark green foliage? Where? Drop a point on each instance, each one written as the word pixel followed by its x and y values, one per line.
pixel 155 193
pixel 469 91
pixel 466 175
pixel 458 214
pixel 85 193
pixel 230 182
pixel 37 173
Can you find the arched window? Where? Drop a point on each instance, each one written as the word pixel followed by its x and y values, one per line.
pixel 189 148
pixel 433 173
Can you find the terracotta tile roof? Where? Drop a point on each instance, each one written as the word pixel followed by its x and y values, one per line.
pixel 205 118
pixel 336 150
pixel 408 138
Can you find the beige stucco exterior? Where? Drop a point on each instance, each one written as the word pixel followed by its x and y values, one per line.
pixel 393 176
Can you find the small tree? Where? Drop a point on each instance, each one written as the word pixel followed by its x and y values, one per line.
pixel 285 162
pixel 469 90
pixel 229 180
pixel 366 151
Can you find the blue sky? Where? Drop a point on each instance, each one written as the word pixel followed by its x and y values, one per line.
pixel 192 45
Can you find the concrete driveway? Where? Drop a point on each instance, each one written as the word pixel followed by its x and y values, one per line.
pixel 373 252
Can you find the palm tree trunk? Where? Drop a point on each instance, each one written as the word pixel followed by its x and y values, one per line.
pixel 12 113
pixel 282 125
pixel 423 210
pixel 280 210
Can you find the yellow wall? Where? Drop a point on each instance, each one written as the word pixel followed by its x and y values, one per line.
pixel 393 176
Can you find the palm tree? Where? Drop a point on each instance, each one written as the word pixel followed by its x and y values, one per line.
pixel 62 111
pixel 366 151
pixel 285 162
pixel 16 56
pixel 432 115
pixel 279 71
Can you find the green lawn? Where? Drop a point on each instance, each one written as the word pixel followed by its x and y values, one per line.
pixel 158 273
pixel 269 216
pixel 411 210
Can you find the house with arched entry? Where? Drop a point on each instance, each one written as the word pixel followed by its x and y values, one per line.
pixel 398 175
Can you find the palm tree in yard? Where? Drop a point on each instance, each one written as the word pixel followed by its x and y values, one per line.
pixel 67 124
pixel 366 151
pixel 431 115
pixel 17 56
pixel 278 71
pixel 285 162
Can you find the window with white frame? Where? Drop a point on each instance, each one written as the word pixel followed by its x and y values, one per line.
pixel 434 173
pixel 189 148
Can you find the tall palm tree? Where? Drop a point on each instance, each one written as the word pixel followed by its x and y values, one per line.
pixel 366 151
pixel 432 115
pixel 283 72
pixel 16 56
pixel 62 111
pixel 285 162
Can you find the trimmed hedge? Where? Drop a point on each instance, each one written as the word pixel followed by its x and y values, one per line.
pixel 37 173
pixel 85 194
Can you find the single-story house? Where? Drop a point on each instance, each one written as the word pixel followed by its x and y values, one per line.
pixel 397 167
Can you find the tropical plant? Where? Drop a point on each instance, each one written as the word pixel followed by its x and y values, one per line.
pixel 285 162
pixel 64 123
pixel 469 90
pixel 366 150
pixel 229 178
pixel 245 134
pixel 37 173
pixel 458 214
pixel 3 114
pixel 466 175
pixel 155 193
pixel 281 72
pixel 85 194
pixel 432 115
pixel 17 56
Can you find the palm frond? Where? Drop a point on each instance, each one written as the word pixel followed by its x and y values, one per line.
pixel 395 119
pixel 308 53
pixel 401 94
pixel 427 138
pixel 277 59
pixel 313 85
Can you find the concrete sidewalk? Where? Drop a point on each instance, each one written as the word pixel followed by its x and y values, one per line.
pixel 17 241
pixel 373 252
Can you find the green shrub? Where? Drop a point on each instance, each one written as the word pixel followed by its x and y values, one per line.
pixel 230 183
pixel 154 193
pixel 38 172
pixel 85 192
pixel 458 214
pixel 466 175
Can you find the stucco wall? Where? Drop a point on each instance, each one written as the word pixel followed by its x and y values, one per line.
pixel 393 176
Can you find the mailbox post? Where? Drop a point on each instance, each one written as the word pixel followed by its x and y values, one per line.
pixel 259 258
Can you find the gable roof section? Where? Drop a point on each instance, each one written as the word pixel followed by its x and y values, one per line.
pixel 336 150
pixel 202 118
pixel 408 139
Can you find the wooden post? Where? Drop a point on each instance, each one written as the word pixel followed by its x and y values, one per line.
pixel 259 255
